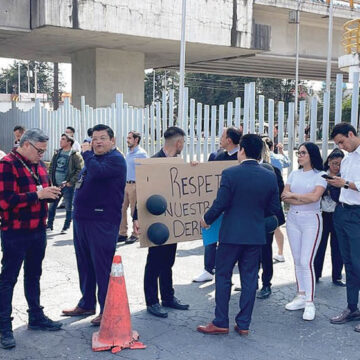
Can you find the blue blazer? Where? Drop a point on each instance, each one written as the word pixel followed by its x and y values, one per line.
pixel 247 191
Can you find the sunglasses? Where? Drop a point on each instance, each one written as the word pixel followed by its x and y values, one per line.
pixel 40 151
pixel 301 153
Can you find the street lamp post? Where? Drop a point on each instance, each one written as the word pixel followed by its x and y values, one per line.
pixel 19 79
pixel 330 31
pixel 35 80
pixel 182 65
pixel 28 78
pixel 297 62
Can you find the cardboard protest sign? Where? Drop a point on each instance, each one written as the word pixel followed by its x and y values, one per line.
pixel 188 190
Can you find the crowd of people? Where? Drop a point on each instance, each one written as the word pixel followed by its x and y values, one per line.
pixel 323 200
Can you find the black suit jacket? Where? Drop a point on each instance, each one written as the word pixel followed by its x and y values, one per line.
pixel 247 191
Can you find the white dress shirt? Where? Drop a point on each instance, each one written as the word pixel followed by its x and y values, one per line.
pixel 76 146
pixel 350 171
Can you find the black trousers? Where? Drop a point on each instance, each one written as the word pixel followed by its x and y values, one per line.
pixel 95 245
pixel 267 260
pixel 347 227
pixel 158 268
pixel 247 257
pixel 209 257
pixel 336 260
pixel 18 247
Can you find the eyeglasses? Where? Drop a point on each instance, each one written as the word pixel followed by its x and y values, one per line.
pixel 40 151
pixel 301 153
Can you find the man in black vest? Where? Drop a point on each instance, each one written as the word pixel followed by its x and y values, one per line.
pixel 160 259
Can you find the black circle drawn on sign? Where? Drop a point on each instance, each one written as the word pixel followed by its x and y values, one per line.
pixel 156 204
pixel 158 233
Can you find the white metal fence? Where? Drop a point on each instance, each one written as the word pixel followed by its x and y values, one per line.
pixel 203 124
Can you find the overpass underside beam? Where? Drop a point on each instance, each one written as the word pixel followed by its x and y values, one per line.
pixel 262 65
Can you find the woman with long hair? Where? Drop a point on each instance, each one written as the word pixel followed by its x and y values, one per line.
pixel 329 201
pixel 303 192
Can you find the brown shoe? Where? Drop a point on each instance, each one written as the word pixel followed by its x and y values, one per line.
pixel 97 320
pixel 211 329
pixel 78 311
pixel 240 331
pixel 357 328
pixel 346 316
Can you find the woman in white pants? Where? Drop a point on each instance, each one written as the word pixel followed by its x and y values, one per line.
pixel 303 192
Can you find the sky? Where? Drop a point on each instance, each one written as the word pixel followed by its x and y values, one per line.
pixel 65 69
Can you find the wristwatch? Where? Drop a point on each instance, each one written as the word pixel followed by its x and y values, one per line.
pixel 346 185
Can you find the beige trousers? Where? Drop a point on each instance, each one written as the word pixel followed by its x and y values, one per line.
pixel 129 199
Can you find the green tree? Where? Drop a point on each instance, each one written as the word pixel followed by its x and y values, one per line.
pixel 44 78
pixel 163 79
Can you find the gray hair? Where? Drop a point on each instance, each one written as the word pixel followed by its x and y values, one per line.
pixel 33 135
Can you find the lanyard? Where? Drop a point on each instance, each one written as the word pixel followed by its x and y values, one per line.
pixel 34 176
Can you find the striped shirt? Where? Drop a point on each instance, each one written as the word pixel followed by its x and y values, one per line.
pixel 20 208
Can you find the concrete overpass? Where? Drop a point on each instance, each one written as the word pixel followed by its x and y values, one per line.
pixel 111 42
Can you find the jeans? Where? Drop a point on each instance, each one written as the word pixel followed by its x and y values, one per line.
pixel 336 260
pixel 68 194
pixel 20 246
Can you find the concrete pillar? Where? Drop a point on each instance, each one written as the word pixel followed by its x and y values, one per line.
pixel 99 74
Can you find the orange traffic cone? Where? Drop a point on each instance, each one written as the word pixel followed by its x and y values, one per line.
pixel 115 328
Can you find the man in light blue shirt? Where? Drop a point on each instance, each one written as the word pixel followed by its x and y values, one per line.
pixel 135 152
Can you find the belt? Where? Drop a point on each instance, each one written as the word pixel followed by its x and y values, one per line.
pixel 347 206
pixel 130 182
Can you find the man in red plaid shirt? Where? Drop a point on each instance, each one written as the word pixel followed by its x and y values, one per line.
pixel 24 188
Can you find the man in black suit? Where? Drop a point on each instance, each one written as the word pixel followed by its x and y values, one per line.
pixel 160 259
pixel 245 192
pixel 229 143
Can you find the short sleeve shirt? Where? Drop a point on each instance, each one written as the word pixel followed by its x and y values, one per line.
pixel 304 182
pixel 62 166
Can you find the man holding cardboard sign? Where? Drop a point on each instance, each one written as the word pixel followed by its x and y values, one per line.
pixel 245 192
pixel 160 259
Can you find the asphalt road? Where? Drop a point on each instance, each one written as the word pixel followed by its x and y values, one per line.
pixel 275 332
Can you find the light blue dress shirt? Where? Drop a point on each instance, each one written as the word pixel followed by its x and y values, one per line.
pixel 137 153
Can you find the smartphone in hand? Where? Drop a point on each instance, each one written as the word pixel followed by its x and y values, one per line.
pixel 327 177
pixel 63 184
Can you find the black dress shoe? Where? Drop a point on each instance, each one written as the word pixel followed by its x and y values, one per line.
pixel 175 304
pixel 121 238
pixel 43 323
pixel 264 293
pixel 7 340
pixel 156 310
pixel 131 240
pixel 339 283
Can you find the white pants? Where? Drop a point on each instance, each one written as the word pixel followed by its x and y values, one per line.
pixel 304 229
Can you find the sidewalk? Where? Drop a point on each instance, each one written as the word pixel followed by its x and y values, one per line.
pixel 275 332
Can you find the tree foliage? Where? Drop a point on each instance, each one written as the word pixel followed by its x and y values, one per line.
pixel 219 89
pixel 44 77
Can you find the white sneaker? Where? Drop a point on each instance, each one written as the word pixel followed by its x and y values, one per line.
pixel 279 258
pixel 297 303
pixel 309 312
pixel 205 276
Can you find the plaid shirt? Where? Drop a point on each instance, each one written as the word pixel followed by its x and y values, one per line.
pixel 20 208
